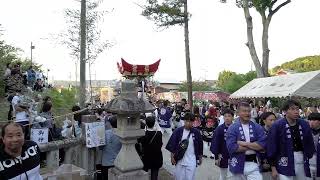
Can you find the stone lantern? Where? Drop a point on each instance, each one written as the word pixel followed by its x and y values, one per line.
pixel 128 107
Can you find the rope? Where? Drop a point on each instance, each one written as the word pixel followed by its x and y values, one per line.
pixel 54 117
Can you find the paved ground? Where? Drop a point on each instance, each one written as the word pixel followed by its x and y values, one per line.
pixel 207 171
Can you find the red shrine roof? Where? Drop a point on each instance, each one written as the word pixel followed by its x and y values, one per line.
pixel 127 69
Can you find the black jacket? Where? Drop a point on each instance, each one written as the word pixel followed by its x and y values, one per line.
pixel 29 163
pixel 152 158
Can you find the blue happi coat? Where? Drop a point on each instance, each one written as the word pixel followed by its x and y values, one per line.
pixel 265 165
pixel 165 116
pixel 280 147
pixel 318 157
pixel 176 137
pixel 235 133
pixel 219 146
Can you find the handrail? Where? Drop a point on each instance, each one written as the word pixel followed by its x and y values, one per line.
pixel 60 144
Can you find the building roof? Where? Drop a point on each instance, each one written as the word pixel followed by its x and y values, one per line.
pixel 291 85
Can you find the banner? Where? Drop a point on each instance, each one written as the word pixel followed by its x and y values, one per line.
pixel 40 136
pixel 95 134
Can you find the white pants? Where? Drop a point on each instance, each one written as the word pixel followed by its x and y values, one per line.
pixel 298 169
pixel 313 169
pixel 223 173
pixel 250 172
pixel 185 172
pixel 267 176
pixel 167 130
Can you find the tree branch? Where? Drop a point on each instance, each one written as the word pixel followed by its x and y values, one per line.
pixel 279 7
pixel 273 3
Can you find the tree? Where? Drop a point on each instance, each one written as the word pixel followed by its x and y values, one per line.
pixel 223 77
pixel 93 42
pixel 302 64
pixel 267 9
pixel 170 13
pixel 230 81
pixel 10 54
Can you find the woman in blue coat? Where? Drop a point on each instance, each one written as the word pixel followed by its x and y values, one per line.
pixel 266 120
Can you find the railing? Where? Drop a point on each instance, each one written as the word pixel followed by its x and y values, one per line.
pixel 76 153
pixel 73 152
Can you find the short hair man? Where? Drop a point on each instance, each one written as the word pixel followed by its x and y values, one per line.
pixel 21 111
pixel 290 144
pixel 218 144
pixel 186 167
pixel 245 139
pixel 19 159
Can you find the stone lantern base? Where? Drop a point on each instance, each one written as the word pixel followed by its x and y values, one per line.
pixel 116 174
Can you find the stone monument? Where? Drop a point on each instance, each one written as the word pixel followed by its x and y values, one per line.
pixel 128 165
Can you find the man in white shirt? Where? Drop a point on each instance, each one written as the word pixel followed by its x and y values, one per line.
pixel 20 113
pixel 245 139
pixel 186 166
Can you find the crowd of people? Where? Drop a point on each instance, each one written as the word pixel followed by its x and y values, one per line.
pixel 246 141
pixel 17 80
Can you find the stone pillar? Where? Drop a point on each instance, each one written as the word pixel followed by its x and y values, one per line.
pixel 87 154
pixel 53 159
pixel 128 106
pixel 73 155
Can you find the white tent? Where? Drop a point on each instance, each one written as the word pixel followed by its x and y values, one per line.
pixel 292 85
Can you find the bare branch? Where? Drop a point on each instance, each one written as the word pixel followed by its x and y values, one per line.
pixel 273 2
pixel 279 7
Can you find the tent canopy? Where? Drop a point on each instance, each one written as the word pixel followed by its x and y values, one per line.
pixel 292 85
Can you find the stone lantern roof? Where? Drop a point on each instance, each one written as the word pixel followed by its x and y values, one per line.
pixel 128 101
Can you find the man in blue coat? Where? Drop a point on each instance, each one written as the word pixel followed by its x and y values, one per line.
pixel 165 118
pixel 186 167
pixel 290 145
pixel 218 144
pixel 245 139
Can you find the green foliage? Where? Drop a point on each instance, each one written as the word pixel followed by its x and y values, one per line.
pixel 230 81
pixel 62 100
pixel 249 76
pixel 302 64
pixel 262 5
pixel 165 14
pixel 197 86
pixel 26 63
pixel 224 76
pixel 10 54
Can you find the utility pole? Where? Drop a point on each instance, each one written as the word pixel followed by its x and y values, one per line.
pixel 187 52
pixel 31 48
pixel 83 38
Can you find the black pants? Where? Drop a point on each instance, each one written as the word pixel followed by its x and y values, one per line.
pixel 104 170
pixel 10 112
pixel 154 174
pixel 26 129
